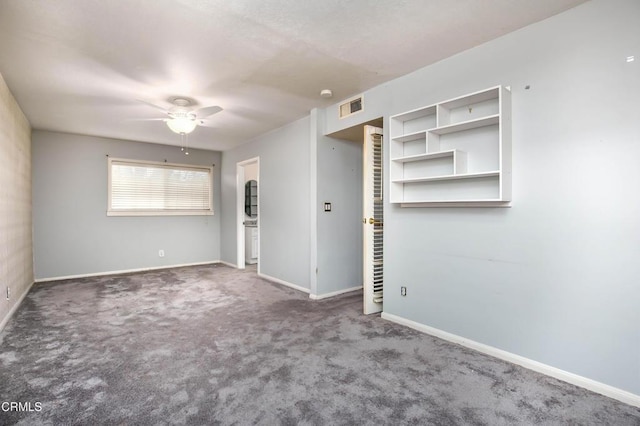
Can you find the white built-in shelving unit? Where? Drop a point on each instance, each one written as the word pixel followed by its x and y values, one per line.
pixel 455 153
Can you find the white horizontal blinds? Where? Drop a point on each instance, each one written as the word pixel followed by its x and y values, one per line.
pixel 159 187
pixel 187 189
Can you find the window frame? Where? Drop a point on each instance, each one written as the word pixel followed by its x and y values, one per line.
pixel 157 212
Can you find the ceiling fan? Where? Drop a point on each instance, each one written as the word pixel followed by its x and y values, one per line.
pixel 182 118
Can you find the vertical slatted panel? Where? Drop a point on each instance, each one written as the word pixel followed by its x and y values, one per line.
pixel 378 233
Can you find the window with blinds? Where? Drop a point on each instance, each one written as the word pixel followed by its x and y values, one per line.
pixel 142 188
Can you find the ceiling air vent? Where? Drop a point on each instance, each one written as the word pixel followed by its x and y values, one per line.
pixel 350 107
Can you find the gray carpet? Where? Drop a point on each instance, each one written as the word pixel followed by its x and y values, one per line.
pixel 213 345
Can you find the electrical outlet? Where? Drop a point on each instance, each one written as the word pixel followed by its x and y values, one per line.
pixel 8 292
pixel 403 291
pixel 161 253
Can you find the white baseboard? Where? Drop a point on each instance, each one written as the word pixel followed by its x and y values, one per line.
pixel 565 376
pixel 232 265
pixel 334 293
pixel 279 281
pixel 124 271
pixel 14 308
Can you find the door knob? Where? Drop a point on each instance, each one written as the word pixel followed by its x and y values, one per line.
pixel 372 221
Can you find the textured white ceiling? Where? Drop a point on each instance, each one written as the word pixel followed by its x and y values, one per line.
pixel 78 66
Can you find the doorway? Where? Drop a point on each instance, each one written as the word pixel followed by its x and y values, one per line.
pixel 370 136
pixel 248 213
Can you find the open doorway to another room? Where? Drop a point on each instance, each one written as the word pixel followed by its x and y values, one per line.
pixel 248 213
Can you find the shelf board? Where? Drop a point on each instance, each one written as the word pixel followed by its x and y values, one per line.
pixel 429 156
pixel 422 134
pixel 472 200
pixel 467 125
pixel 456 203
pixel 492 173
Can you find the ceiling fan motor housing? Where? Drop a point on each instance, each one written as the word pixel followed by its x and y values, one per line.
pixel 181 102
pixel 181 110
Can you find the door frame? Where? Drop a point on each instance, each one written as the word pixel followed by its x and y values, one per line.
pixel 240 238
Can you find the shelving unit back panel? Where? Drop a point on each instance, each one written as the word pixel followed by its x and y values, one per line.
pixel 396 193
pixel 414 148
pixel 473 111
pixel 415 113
pixel 486 188
pixel 435 167
pixel 481 146
pixel 418 124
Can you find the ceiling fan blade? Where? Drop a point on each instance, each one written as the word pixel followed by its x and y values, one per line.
pixel 153 105
pixel 207 111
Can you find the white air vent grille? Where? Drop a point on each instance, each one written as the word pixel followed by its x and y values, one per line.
pixel 351 107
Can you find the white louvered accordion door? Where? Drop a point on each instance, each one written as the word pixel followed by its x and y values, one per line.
pixel 373 219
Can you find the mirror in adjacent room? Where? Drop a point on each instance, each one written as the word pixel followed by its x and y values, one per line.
pixel 251 198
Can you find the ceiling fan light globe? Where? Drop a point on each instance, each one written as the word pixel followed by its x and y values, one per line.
pixel 182 125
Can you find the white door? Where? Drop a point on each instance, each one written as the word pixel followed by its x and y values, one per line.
pixel 373 219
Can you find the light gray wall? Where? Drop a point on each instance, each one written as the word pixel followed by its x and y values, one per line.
pixel 555 277
pixel 16 250
pixel 251 172
pixel 284 201
pixel 339 232
pixel 74 236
